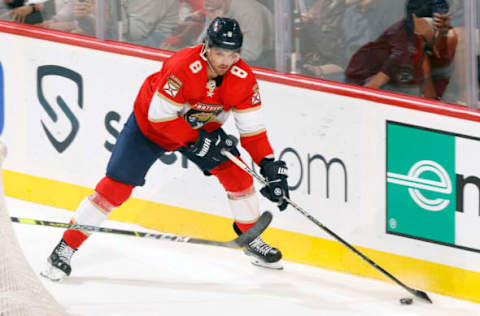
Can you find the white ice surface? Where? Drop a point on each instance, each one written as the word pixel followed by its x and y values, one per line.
pixel 122 275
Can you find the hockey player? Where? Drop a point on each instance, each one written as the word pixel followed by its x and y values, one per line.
pixel 182 108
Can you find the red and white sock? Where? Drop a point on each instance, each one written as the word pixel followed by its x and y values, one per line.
pixel 245 208
pixel 93 210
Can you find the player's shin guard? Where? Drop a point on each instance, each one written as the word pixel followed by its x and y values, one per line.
pixel 244 206
pixel 93 210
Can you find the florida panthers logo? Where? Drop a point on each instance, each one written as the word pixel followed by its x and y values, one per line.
pixel 202 113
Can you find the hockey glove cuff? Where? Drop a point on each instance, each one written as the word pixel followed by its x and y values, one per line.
pixel 276 173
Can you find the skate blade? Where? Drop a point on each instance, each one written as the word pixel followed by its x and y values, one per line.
pixel 53 274
pixel 269 265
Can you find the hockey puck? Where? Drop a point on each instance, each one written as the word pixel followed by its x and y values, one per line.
pixel 406 301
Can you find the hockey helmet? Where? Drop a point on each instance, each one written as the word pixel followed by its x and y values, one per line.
pixel 225 33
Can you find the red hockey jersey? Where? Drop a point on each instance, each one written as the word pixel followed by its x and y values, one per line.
pixel 174 103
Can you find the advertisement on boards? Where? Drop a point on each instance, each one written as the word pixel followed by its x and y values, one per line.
pixel 433 185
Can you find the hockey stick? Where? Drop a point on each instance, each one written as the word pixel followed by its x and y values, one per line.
pixel 238 242
pixel 241 164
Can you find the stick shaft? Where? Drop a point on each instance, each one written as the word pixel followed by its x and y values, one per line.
pixel 238 242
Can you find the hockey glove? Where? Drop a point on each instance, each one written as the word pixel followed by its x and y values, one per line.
pixel 275 172
pixel 208 147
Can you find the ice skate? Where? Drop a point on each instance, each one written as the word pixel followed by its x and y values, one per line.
pixel 59 262
pixel 262 254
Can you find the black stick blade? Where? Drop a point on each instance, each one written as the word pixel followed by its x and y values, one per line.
pixel 242 240
pixel 423 296
pixel 254 231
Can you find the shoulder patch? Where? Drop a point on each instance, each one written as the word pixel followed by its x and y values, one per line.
pixel 172 86
pixel 256 95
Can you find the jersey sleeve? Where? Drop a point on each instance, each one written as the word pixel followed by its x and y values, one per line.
pixel 165 106
pixel 247 113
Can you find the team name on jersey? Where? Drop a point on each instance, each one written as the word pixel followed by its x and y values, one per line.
pixel 207 107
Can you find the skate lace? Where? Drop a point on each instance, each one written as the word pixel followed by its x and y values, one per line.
pixel 65 252
pixel 260 246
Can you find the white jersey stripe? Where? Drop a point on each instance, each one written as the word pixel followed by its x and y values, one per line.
pixel 248 122
pixel 162 109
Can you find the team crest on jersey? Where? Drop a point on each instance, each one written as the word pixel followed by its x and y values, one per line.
pixel 256 95
pixel 172 86
pixel 211 85
pixel 202 113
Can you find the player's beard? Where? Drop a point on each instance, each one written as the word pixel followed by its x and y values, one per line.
pixel 221 69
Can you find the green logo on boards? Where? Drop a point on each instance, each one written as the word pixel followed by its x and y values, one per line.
pixel 421 183
pixel 433 186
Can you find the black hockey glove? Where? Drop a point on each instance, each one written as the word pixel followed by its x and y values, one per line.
pixel 275 172
pixel 208 147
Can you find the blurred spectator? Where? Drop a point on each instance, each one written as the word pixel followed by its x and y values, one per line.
pixel 64 19
pixel 457 90
pixel 29 12
pixel 321 37
pixel 404 57
pixel 84 12
pixel 358 22
pixel 189 27
pixel 365 20
pixel 143 22
pixel 256 22
pixel 188 7
pixel 149 22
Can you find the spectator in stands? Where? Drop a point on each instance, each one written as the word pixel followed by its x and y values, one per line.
pixel 350 25
pixel 365 20
pixel 256 22
pixel 27 11
pixel 189 27
pixel 64 19
pixel 457 90
pixel 189 7
pixel 144 22
pixel 403 57
pixel 321 37
pixel 84 12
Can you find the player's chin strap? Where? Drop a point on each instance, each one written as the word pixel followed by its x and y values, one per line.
pixel 242 165
pixel 203 54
